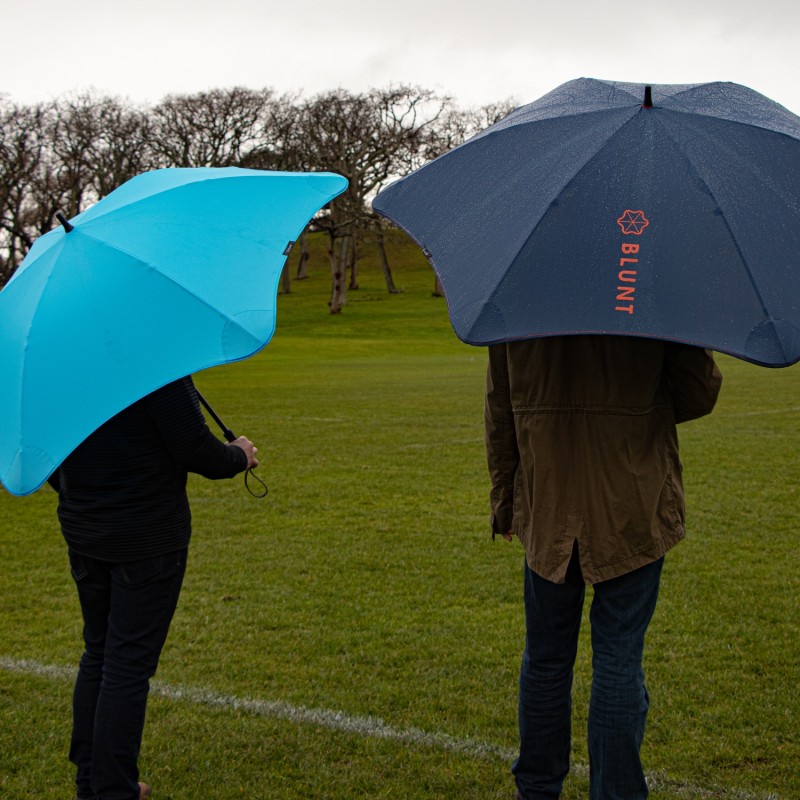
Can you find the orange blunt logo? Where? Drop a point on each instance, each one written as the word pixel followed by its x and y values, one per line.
pixel 632 223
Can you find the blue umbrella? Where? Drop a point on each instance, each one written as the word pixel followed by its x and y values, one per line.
pixel 175 271
pixel 668 211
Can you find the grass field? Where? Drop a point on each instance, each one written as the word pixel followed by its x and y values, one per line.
pixel 357 634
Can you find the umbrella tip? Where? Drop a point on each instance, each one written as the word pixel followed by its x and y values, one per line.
pixel 65 222
pixel 648 97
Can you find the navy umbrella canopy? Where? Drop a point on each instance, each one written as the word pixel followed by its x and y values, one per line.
pixel 670 211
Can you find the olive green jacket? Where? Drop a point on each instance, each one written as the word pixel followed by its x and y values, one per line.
pixel 582 446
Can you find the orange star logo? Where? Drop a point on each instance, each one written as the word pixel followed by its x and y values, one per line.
pixel 633 222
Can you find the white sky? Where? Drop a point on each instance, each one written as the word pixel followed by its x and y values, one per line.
pixel 477 51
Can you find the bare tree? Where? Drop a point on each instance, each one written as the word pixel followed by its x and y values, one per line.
pixel 380 243
pixel 367 138
pixel 68 154
pixel 71 135
pixel 454 127
pixel 277 145
pixel 217 128
pixel 327 126
pixel 63 156
pixel 23 151
pixel 302 262
pixel 97 143
pixel 122 146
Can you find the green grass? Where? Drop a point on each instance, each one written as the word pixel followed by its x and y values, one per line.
pixel 367 583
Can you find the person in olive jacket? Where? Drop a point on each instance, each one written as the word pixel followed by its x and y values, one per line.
pixel 582 451
pixel 125 516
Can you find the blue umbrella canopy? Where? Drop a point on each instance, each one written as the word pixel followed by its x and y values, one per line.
pixel 175 271
pixel 667 211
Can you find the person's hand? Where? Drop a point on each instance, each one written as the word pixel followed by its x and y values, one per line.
pixel 249 448
pixel 508 536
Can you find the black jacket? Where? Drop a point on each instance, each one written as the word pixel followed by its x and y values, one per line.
pixel 122 492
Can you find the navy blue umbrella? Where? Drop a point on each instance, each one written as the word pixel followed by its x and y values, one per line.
pixel 669 211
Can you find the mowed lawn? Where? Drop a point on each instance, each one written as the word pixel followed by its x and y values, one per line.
pixel 357 633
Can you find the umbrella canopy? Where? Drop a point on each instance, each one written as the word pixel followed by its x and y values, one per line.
pixel 175 271
pixel 668 211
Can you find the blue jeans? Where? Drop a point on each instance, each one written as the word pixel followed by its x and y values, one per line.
pixel 621 611
pixel 127 610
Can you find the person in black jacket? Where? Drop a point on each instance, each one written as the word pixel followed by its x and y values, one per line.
pixel 125 516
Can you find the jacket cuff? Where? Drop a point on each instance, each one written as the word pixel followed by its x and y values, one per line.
pixel 501 521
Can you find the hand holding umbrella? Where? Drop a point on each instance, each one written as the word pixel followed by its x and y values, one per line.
pixel 249 448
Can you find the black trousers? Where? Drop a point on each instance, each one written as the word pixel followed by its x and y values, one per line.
pixel 127 610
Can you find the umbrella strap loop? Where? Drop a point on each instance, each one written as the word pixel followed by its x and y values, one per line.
pixel 261 492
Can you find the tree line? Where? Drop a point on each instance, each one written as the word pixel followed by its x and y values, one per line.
pixel 66 154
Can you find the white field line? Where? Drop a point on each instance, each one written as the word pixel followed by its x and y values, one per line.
pixel 277 709
pixel 365 726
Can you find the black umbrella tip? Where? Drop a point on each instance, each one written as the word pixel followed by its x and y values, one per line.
pixel 648 97
pixel 65 222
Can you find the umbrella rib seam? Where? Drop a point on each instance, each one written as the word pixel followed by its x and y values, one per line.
pixel 169 278
pixel 493 131
pixel 560 191
pixel 737 122
pixel 767 316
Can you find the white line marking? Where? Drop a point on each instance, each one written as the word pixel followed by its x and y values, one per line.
pixel 277 709
pixel 365 726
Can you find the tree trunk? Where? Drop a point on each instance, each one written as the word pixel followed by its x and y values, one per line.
pixel 338 257
pixel 302 264
pixel 387 270
pixel 353 259
pixel 286 280
pixel 438 289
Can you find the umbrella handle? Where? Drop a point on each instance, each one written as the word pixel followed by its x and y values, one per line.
pixel 263 492
pixel 230 436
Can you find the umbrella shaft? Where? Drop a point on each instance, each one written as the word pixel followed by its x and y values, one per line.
pixel 226 431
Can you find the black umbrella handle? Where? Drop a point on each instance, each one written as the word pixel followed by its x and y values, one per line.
pixel 229 435
pixel 259 493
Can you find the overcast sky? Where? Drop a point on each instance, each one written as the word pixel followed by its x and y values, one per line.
pixel 477 51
